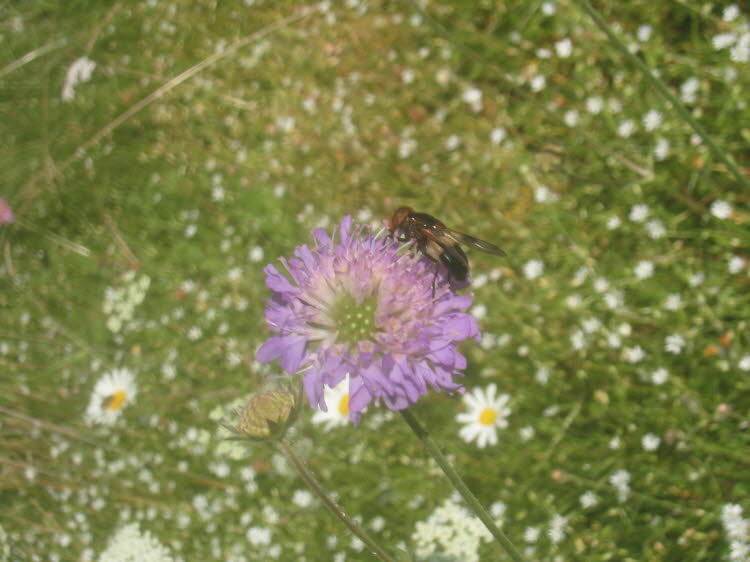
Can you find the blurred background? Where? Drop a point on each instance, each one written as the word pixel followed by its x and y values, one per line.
pixel 157 154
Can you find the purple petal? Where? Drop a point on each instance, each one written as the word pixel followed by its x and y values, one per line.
pixel 314 389
pixel 277 282
pixel 289 348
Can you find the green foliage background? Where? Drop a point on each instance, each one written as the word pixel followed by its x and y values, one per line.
pixel 310 119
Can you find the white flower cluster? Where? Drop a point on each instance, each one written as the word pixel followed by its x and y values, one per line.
pixel 450 530
pixel 737 529
pixel 129 544
pixel 120 302
pixel 620 480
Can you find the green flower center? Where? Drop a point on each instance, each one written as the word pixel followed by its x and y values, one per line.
pixel 355 321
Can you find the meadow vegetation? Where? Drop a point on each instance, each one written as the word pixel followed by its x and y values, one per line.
pixel 158 154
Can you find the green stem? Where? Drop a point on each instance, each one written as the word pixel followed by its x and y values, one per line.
pixel 311 481
pixel 661 87
pixel 459 485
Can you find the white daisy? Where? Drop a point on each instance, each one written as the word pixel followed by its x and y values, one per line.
pixel 111 394
pixel 337 400
pixel 485 414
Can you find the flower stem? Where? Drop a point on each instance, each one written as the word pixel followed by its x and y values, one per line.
pixel 662 88
pixel 459 484
pixel 311 481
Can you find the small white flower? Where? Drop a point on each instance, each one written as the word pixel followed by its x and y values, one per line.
pixel 531 534
pixel 497 135
pixel 744 363
pixel 115 390
pixel 673 302
pixel 571 117
pixel 689 90
pixel 526 433
pixel 549 8
pixel 302 498
pixel 406 147
pixel 533 269
pixel 407 76
pixel 620 480
pixel 721 209
pixel 614 299
pixel 452 142
pixel 634 354
pixel 337 401
pixel 730 13
pixel 652 120
pixel 498 509
pixel 723 40
pixel 613 222
pixel 564 48
pixel 674 343
pixel 486 413
pixel 659 376
pixel 556 531
pixel 594 105
pixel 643 33
pixel 591 325
pixel 696 279
pixel 537 83
pixel 544 194
pixel 614 340
pixel 644 269
pixel 638 213
pixel 285 123
pixel 736 264
pixel 588 499
pixel 740 52
pixel 256 254
pixel 259 536
pixel 656 229
pixel 626 128
pixel 542 375
pixel 473 98
pixel 650 442
pixel 601 284
pixel 443 76
pixel 577 340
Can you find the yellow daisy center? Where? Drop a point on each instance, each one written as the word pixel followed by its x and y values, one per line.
pixel 116 401
pixel 344 405
pixel 488 416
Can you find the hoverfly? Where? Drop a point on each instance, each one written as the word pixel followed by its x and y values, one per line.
pixel 438 242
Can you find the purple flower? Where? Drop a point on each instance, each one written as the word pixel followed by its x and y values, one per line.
pixel 357 306
pixel 6 213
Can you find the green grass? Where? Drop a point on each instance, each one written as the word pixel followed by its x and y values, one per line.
pixel 96 196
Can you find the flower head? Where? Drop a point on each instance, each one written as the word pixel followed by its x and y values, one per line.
pixel 485 414
pixel 6 213
pixel 267 415
pixel 112 393
pixel 130 543
pixel 358 307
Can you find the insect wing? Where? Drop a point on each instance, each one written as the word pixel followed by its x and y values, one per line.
pixel 472 242
pixel 447 243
